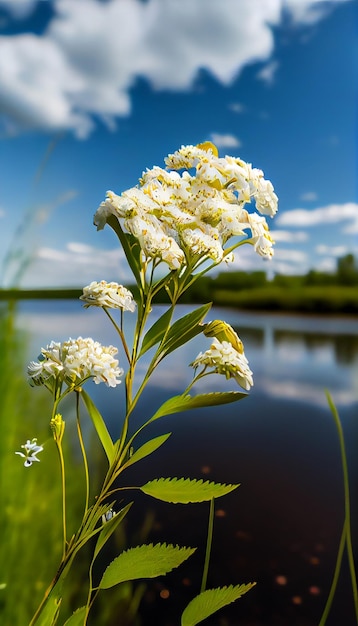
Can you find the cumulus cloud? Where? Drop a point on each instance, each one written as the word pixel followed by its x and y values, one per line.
pixel 225 141
pixel 81 68
pixel 75 266
pixel 336 251
pixel 288 236
pixel 330 214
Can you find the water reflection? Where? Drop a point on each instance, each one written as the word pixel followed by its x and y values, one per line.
pixel 282 526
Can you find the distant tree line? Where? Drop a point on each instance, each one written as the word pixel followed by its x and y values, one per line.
pixel 315 291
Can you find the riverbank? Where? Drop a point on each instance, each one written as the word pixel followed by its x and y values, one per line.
pixel 333 299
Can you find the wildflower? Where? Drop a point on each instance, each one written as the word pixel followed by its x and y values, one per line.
pixel 187 217
pixel 31 449
pixel 108 515
pixel 110 295
pixel 75 360
pixel 225 359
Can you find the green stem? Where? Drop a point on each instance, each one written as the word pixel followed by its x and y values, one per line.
pixel 337 571
pixel 83 450
pixel 347 513
pixel 63 484
pixel 120 333
pixel 208 545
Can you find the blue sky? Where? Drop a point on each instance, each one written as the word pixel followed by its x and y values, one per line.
pixel 94 91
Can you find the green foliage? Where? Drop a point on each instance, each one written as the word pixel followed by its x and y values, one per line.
pixel 186 402
pixel 156 332
pixel 185 490
pixel 210 601
pixel 109 527
pixel 30 498
pixel 100 426
pixel 147 561
pixel 183 330
pixel 50 613
pixel 147 448
pixel 77 618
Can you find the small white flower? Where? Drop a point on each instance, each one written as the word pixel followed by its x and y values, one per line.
pixel 75 360
pixel 224 359
pixel 31 450
pixel 111 295
pixel 108 515
pixel 263 242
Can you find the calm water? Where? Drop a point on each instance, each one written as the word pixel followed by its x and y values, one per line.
pixel 282 526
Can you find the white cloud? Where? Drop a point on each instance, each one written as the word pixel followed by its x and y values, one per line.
pixel 80 68
pixel 327 265
pixel 331 214
pixel 309 12
pixel 292 256
pixel 237 107
pixel 309 196
pixel 75 266
pixel 225 141
pixel 2 213
pixel 268 72
pixel 289 236
pixel 335 251
pixel 18 8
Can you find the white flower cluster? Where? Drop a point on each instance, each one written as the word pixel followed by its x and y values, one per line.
pixel 31 450
pixel 182 217
pixel 110 295
pixel 75 360
pixel 225 359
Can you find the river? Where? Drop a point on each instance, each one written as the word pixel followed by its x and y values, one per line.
pixel 282 526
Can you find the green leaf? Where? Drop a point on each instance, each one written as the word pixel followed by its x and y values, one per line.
pixel 146 561
pixel 109 528
pixel 77 618
pixel 156 332
pixel 100 426
pixel 130 245
pixel 146 449
pixel 185 490
pixel 210 601
pixel 177 404
pixel 184 329
pixel 50 612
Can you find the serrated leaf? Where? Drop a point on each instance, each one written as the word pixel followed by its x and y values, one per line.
pixel 109 528
pixel 184 329
pixel 156 332
pixel 177 404
pixel 146 561
pixel 210 601
pixel 77 617
pixel 185 490
pixel 100 426
pixel 146 449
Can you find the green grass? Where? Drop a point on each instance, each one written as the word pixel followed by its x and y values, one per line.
pixel 30 509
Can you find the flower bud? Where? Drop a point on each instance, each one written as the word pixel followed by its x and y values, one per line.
pixel 224 332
